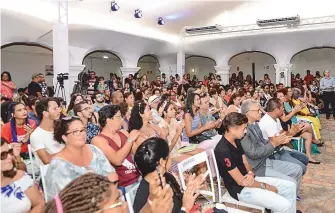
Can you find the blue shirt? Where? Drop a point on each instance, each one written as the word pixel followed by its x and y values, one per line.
pixel 327 84
pixel 33 117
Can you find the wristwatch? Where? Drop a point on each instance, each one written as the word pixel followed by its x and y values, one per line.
pixel 263 186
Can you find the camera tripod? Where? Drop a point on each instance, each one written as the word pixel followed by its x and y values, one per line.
pixel 60 89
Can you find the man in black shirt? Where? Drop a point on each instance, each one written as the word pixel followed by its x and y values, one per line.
pixel 240 181
pixel 34 89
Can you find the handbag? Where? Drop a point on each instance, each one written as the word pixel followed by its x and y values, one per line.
pixel 198 139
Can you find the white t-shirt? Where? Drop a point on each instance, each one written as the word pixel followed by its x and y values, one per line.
pixel 13 196
pixel 269 126
pixel 41 139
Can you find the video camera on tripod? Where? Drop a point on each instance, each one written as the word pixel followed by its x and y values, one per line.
pixel 60 85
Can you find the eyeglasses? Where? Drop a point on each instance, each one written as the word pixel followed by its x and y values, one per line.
pixel 77 132
pixel 118 116
pixel 68 118
pixel 4 155
pixel 85 109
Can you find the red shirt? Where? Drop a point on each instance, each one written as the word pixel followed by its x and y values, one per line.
pixel 309 78
pixel 6 133
pixel 128 173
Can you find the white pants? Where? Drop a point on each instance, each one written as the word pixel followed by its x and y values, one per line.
pixel 283 202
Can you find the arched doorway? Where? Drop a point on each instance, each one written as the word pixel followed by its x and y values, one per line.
pixel 104 63
pixel 263 65
pixel 22 60
pixel 199 65
pixel 313 59
pixel 149 66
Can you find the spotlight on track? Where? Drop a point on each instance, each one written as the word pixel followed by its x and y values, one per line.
pixel 114 6
pixel 138 14
pixel 161 21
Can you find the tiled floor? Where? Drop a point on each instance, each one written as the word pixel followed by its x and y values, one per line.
pixel 318 185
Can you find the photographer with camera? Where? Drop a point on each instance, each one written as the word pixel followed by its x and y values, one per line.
pixel 34 89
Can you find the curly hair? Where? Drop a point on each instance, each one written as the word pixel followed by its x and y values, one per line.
pixel 88 194
pixel 62 126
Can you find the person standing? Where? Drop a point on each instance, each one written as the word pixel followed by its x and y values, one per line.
pixel 34 89
pixel 309 77
pixel 327 85
pixel 43 85
pixel 7 85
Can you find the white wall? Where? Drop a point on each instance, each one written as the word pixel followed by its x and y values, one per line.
pixel 149 66
pixel 103 67
pixel 23 61
pixel 314 60
pixel 263 64
pixel 202 66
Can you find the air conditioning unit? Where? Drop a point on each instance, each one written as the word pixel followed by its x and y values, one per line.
pixel 202 30
pixel 279 21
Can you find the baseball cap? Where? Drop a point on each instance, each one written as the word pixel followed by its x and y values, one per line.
pixel 152 99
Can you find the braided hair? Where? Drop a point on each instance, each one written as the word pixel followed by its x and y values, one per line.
pixel 88 194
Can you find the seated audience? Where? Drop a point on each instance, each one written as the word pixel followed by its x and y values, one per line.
pixel 271 126
pixel 259 151
pixel 77 157
pixel 99 101
pixel 153 102
pixel 152 159
pixel 116 144
pixel 271 193
pixel 89 193
pixel 18 191
pixel 32 115
pixel 75 99
pixel 42 139
pixel 84 112
pixel 141 120
pixel 19 128
pixel 117 97
pixel 234 103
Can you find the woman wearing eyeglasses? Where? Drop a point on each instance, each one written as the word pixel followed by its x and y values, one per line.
pixel 84 111
pixel 75 99
pixel 76 159
pixel 18 192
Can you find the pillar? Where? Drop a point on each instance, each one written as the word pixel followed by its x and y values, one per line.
pixel 181 64
pixel 223 72
pixel 126 71
pixel 283 73
pixel 61 57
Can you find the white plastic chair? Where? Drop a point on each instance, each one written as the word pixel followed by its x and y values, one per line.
pixel 191 162
pixel 226 197
pixel 43 172
pixel 300 143
pixel 130 197
pixel 31 162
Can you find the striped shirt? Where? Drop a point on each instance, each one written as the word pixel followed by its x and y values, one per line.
pixel 195 125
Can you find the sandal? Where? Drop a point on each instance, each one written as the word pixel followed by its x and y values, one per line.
pixel 320 144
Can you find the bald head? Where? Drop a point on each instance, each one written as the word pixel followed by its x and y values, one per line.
pixel 117 97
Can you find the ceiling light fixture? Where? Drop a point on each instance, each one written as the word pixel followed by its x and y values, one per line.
pixel 138 13
pixel 114 6
pixel 105 57
pixel 161 21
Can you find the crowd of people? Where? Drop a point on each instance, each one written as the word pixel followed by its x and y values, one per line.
pixel 120 136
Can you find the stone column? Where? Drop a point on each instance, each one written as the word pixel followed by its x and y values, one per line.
pixel 126 71
pixel 181 64
pixel 283 73
pixel 61 56
pixel 223 72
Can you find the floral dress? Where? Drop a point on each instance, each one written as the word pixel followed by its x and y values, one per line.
pixel 92 131
pixel 61 172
